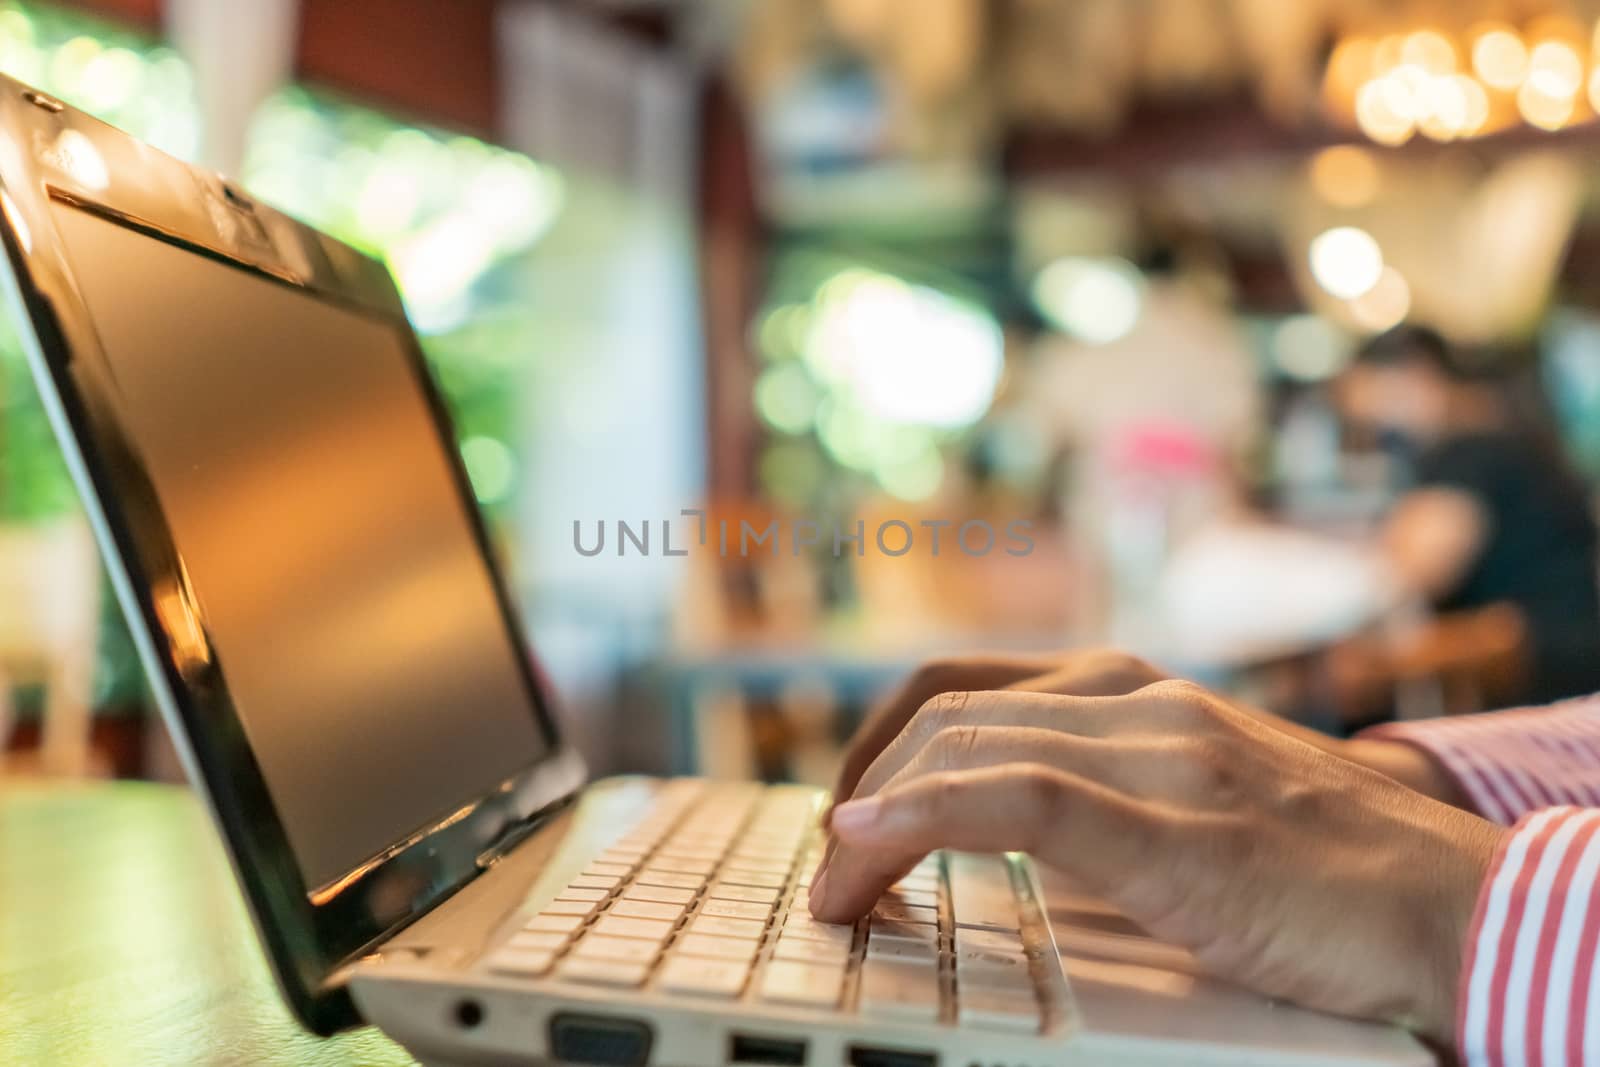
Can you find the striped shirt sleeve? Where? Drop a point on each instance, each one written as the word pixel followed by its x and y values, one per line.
pixel 1530 977
pixel 1529 992
pixel 1509 763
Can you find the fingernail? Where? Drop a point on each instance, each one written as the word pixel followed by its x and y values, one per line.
pixel 855 815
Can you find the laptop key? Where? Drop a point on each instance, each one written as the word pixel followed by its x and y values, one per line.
pixel 647 909
pixel 899 990
pixel 603 972
pixel 559 924
pixel 727 891
pixel 886 930
pixel 627 926
pixel 722 948
pixel 915 897
pixel 895 911
pixel 764 879
pixel 797 948
pixel 595 881
pixel 904 952
pixel 683 866
pixel 537 939
pixel 720 927
pixel 582 893
pixel 619 870
pixel 993 1009
pixel 736 909
pixel 582 908
pixel 524 962
pixel 671 879
pixel 622 949
pixel 988 941
pixel 805 927
pixel 981 896
pixel 659 893
pixel 703 977
pixel 811 984
pixel 991 966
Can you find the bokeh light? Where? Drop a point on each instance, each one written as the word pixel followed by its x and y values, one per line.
pixel 1309 348
pixel 906 353
pixel 1543 110
pixel 1555 70
pixel 1346 261
pixel 443 210
pixel 1095 300
pixel 1500 58
pixel 144 88
pixel 1345 175
pixel 1386 304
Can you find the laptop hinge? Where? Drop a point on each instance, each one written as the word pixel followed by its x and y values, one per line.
pixel 516 834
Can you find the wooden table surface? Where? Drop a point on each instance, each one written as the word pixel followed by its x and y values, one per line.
pixel 123 941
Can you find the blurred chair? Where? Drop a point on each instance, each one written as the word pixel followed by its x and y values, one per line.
pixel 1461 663
pixel 49 625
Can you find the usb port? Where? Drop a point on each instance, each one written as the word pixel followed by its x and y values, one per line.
pixel 751 1050
pixel 870 1056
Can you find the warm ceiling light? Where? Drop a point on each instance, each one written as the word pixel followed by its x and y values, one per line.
pixel 1404 89
pixel 1351 66
pixel 1345 175
pixel 1346 261
pixel 1477 101
pixel 1554 70
pixel 1446 106
pixel 1378 119
pixel 1500 58
pixel 1594 89
pixel 1430 50
pixel 1387 54
pixel 1544 111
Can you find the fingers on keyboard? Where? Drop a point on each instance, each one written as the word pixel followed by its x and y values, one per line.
pixel 696 902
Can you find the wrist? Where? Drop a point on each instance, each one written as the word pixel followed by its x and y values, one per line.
pixel 1410 765
pixel 1441 899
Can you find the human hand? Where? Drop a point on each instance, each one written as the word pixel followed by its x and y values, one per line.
pixel 1081 672
pixel 1278 865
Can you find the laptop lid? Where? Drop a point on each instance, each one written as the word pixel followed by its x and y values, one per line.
pixel 290 532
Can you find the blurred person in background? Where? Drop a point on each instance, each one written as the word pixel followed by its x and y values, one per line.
pixel 1492 515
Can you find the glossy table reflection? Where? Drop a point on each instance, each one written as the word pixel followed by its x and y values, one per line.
pixel 124 941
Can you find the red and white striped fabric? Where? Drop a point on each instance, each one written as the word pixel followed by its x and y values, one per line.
pixel 1530 984
pixel 1512 762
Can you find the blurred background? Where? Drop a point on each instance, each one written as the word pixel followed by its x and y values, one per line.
pixel 1098 266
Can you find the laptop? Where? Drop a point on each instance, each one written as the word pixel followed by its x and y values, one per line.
pixel 292 537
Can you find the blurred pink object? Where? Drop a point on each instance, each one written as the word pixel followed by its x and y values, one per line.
pixel 1165 449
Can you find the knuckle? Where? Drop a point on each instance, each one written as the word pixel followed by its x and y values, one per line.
pixel 1042 796
pixel 942 709
pixel 948 794
pixel 1188 702
pixel 953 745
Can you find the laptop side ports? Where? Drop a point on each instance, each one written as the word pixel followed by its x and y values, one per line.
pixel 599 1040
pixel 751 1050
pixel 873 1056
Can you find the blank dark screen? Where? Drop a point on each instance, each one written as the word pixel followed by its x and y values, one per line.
pixel 327 547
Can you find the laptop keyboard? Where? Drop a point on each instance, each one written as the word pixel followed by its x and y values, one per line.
pixel 706 896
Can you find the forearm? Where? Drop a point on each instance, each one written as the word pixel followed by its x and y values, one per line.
pixel 1502 765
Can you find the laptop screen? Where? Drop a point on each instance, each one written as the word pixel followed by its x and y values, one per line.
pixel 327 549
